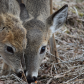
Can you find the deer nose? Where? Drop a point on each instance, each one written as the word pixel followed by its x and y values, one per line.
pixel 31 79
pixel 19 74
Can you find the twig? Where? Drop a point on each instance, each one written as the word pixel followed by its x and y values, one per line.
pixel 20 80
pixel 49 81
pixel 79 80
pixel 73 78
pixel 57 57
pixel 12 75
pixel 51 68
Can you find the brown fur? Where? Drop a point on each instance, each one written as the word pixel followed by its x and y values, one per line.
pixel 11 33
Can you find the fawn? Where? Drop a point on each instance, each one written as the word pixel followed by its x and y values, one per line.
pixel 12 36
pixel 40 26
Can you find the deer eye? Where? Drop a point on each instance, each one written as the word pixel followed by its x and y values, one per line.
pixel 10 49
pixel 43 49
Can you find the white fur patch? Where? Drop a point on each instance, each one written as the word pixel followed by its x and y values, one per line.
pixel 52 28
pixel 35 74
pixel 27 73
pixel 20 70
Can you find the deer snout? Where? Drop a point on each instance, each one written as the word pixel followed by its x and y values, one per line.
pixel 20 73
pixel 31 79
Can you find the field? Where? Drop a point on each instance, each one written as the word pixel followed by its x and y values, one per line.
pixel 70 46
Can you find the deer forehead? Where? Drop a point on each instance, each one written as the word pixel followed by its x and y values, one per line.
pixel 36 30
pixel 36 36
pixel 13 32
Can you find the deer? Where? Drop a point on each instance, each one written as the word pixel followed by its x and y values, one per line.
pixel 12 37
pixel 40 26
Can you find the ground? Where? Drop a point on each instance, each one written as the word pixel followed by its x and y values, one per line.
pixel 70 46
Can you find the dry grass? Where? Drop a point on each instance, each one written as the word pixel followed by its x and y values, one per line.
pixel 70 45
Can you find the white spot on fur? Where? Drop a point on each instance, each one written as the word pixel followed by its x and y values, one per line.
pixel 34 74
pixel 52 28
pixel 27 73
pixel 20 70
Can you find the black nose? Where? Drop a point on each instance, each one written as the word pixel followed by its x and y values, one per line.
pixel 31 79
pixel 20 74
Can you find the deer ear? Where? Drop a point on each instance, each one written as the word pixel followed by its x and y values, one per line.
pixel 23 11
pixel 58 18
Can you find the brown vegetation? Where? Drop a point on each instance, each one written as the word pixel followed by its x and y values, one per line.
pixel 70 46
